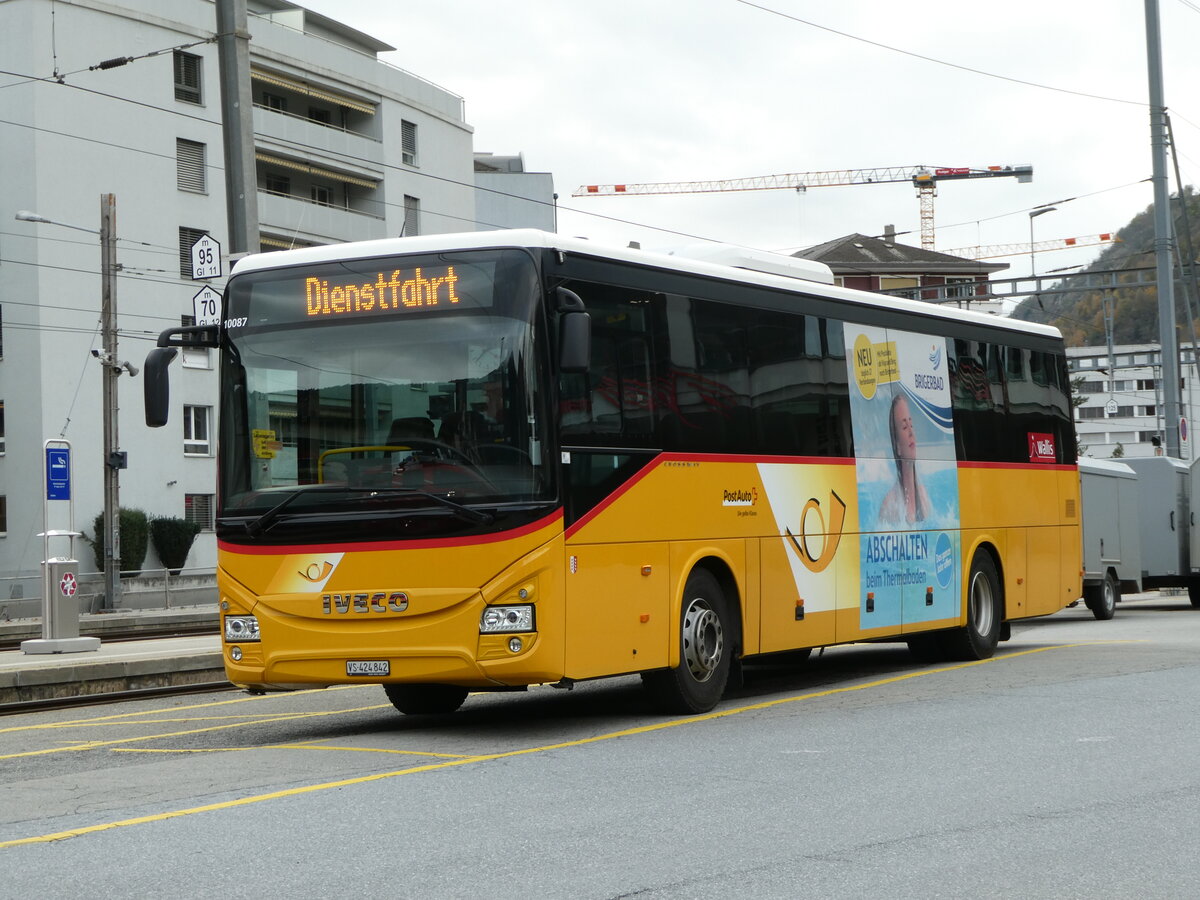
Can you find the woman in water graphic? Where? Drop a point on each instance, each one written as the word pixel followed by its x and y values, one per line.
pixel 907 502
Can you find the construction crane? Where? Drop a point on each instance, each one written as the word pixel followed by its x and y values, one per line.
pixel 924 178
pixel 995 251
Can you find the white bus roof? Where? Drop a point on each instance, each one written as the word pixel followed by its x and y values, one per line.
pixel 727 263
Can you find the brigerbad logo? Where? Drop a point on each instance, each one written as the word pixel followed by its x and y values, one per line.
pixel 739 497
pixel 935 357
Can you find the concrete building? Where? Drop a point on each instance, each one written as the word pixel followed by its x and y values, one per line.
pixel 1122 402
pixel 347 147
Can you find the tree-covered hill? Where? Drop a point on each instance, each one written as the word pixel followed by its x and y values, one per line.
pixel 1080 315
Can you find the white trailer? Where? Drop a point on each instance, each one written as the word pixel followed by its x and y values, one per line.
pixel 1112 539
pixel 1163 505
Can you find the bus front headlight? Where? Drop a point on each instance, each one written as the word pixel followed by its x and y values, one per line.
pixel 506 619
pixel 239 629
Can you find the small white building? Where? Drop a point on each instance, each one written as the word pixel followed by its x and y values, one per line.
pixel 508 196
pixel 1122 401
pixel 347 147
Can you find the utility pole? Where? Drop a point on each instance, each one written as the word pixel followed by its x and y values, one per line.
pixel 1164 270
pixel 113 459
pixel 241 184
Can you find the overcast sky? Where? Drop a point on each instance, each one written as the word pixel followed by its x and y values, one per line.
pixel 666 90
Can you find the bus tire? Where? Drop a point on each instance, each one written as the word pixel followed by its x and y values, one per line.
pixel 425 699
pixel 1102 598
pixel 705 651
pixel 985 613
pixel 1194 592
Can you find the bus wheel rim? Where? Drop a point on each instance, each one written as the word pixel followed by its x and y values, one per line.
pixel 703 639
pixel 981 608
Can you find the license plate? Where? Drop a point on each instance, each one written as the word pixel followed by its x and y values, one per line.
pixel 368 667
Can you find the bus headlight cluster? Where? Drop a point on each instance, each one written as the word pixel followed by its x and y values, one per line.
pixel 239 629
pixel 506 619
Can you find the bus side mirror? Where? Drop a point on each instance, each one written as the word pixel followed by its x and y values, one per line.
pixel 156 385
pixel 574 333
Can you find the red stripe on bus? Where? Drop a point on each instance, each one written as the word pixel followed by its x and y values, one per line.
pixel 612 498
pixel 468 541
pixel 1059 467
pixel 664 458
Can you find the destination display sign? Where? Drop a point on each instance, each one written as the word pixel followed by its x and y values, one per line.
pixel 421 287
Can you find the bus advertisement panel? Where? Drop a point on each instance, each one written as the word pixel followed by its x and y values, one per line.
pixel 907 476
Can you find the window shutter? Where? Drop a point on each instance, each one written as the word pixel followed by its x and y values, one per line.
pixel 408 143
pixel 189 164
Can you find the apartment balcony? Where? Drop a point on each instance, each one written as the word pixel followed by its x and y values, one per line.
pixel 310 222
pixel 302 133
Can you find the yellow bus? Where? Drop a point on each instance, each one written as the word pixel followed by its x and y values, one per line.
pixel 474 462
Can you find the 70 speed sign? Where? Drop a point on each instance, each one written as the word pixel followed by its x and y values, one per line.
pixel 207 307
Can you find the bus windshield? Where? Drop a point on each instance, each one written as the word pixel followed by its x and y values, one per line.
pixel 382 388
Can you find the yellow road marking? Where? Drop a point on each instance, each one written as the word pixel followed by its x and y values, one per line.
pixel 289 747
pixel 118 717
pixel 282 717
pixel 579 742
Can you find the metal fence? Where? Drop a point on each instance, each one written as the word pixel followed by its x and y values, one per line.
pixel 21 595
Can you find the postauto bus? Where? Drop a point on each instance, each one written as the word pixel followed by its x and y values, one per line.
pixel 474 462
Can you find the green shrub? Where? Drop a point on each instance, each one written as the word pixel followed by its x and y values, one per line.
pixel 172 539
pixel 135 538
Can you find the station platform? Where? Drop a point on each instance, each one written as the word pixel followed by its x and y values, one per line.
pixel 124 663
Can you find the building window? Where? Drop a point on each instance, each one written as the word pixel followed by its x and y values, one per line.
pixel 322 116
pixel 187 237
pixel 408 143
pixel 190 173
pixel 1090 412
pixel 1 427
pixel 198 508
pixel 3 514
pixel 1150 410
pixel 322 195
pixel 412 217
pixel 187 77
pixel 276 102
pixel 196 430
pixel 1091 387
pixel 277 184
pixel 960 288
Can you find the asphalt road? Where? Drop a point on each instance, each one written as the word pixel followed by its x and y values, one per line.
pixel 1060 768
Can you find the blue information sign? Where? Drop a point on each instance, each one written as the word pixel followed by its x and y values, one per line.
pixel 58 473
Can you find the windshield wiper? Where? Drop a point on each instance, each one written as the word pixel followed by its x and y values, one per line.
pixel 258 526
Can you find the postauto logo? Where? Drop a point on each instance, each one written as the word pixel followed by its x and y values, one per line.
pixel 739 497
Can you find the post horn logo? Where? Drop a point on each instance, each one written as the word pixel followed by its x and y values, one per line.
pixel 831 532
pixel 317 572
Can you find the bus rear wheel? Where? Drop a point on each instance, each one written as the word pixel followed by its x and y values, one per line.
pixel 985 614
pixel 425 699
pixel 1102 599
pixel 705 651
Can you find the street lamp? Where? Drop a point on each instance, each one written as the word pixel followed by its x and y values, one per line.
pixel 114 459
pixel 1033 214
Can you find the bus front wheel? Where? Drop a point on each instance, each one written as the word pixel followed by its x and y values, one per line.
pixel 425 699
pixel 705 651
